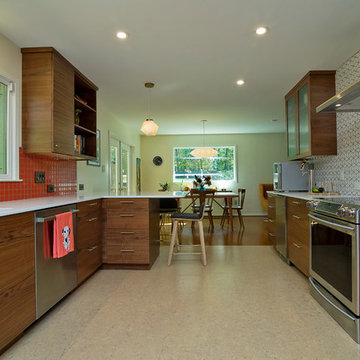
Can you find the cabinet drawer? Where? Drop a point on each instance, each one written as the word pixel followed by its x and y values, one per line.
pixel 126 254
pixel 128 205
pixel 89 260
pixel 127 219
pixel 17 309
pixel 17 261
pixel 89 231
pixel 297 207
pixel 10 229
pixel 272 237
pixel 89 209
pixel 299 255
pixel 123 236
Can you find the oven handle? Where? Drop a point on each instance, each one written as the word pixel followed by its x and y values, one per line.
pixel 330 223
pixel 330 302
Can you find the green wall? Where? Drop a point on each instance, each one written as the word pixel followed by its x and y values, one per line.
pixel 255 155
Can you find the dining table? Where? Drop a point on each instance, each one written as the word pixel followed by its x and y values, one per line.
pixel 228 196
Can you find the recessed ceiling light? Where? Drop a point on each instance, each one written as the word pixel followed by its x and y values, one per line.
pixel 240 82
pixel 337 105
pixel 121 35
pixel 261 30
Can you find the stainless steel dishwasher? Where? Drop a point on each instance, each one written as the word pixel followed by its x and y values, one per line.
pixel 55 278
pixel 281 228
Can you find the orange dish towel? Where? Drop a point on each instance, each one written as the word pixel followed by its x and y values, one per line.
pixel 63 241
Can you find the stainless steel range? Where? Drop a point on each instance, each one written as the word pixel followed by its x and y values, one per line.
pixel 334 259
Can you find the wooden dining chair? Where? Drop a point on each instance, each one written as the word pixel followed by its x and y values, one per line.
pixel 238 208
pixel 206 197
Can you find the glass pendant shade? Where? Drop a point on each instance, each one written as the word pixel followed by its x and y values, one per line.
pixel 204 152
pixel 149 127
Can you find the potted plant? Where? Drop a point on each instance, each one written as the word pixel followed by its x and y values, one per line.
pixel 202 181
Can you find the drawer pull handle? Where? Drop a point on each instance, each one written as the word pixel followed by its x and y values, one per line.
pixel 271 234
pixel 127 215
pixel 296 217
pixel 127 232
pixel 127 250
pixel 126 202
pixel 92 248
pixel 271 220
pixel 93 204
pixel 298 246
pixel 271 207
pixel 296 202
pixel 92 219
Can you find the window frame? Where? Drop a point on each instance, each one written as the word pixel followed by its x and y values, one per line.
pixel 12 130
pixel 196 147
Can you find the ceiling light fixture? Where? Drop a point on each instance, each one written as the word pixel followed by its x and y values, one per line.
pixel 121 35
pixel 261 30
pixel 149 127
pixel 337 105
pixel 204 152
pixel 240 82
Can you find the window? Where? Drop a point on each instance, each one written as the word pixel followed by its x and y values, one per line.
pixel 220 167
pixel 9 137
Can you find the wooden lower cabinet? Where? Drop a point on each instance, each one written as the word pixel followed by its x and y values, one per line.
pixel 89 238
pixel 131 232
pixel 17 276
pixel 298 234
pixel 272 219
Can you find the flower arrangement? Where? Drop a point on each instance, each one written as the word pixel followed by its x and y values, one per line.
pixel 165 186
pixel 202 181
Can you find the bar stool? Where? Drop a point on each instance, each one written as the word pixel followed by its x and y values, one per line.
pixel 193 217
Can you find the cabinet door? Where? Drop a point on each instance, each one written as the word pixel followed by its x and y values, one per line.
pixel 303 116
pixel 291 126
pixel 63 118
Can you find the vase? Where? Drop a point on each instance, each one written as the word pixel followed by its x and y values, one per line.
pixel 202 188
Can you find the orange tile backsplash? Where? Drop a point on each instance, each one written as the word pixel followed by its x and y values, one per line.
pixel 58 172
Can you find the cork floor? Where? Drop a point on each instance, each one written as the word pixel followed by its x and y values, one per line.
pixel 246 304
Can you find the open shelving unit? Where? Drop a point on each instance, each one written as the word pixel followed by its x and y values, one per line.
pixel 85 128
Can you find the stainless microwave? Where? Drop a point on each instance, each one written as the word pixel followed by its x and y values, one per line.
pixel 288 176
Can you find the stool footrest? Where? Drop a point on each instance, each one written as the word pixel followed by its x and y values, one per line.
pixel 187 253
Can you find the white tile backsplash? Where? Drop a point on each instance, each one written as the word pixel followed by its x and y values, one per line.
pixel 329 168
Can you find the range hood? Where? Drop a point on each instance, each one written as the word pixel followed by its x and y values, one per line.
pixel 345 101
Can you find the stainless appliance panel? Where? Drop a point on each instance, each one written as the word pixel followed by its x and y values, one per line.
pixel 55 278
pixel 281 228
pixel 288 176
pixel 334 259
pixel 347 320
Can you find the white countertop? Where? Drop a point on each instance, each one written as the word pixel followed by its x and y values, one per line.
pixel 302 195
pixel 21 206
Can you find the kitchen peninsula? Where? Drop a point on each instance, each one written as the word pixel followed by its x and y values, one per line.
pixel 117 231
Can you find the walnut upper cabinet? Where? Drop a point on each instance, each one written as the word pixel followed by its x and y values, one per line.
pixel 310 133
pixel 53 92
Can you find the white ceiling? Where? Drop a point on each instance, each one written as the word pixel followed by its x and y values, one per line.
pixel 194 51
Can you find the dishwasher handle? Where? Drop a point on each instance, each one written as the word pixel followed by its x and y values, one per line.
pixel 50 218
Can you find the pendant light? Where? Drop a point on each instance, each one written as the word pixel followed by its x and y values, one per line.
pixel 204 152
pixel 149 127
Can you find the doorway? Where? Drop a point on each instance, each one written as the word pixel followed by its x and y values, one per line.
pixel 119 165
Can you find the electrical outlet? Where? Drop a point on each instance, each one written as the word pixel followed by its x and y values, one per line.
pixel 39 177
pixel 342 174
pixel 81 186
pixel 50 188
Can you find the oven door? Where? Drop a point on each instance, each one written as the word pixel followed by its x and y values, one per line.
pixel 334 260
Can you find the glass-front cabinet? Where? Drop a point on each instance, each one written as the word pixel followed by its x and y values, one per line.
pixel 291 126
pixel 309 133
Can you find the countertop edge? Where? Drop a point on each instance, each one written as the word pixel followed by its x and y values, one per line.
pixel 14 207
